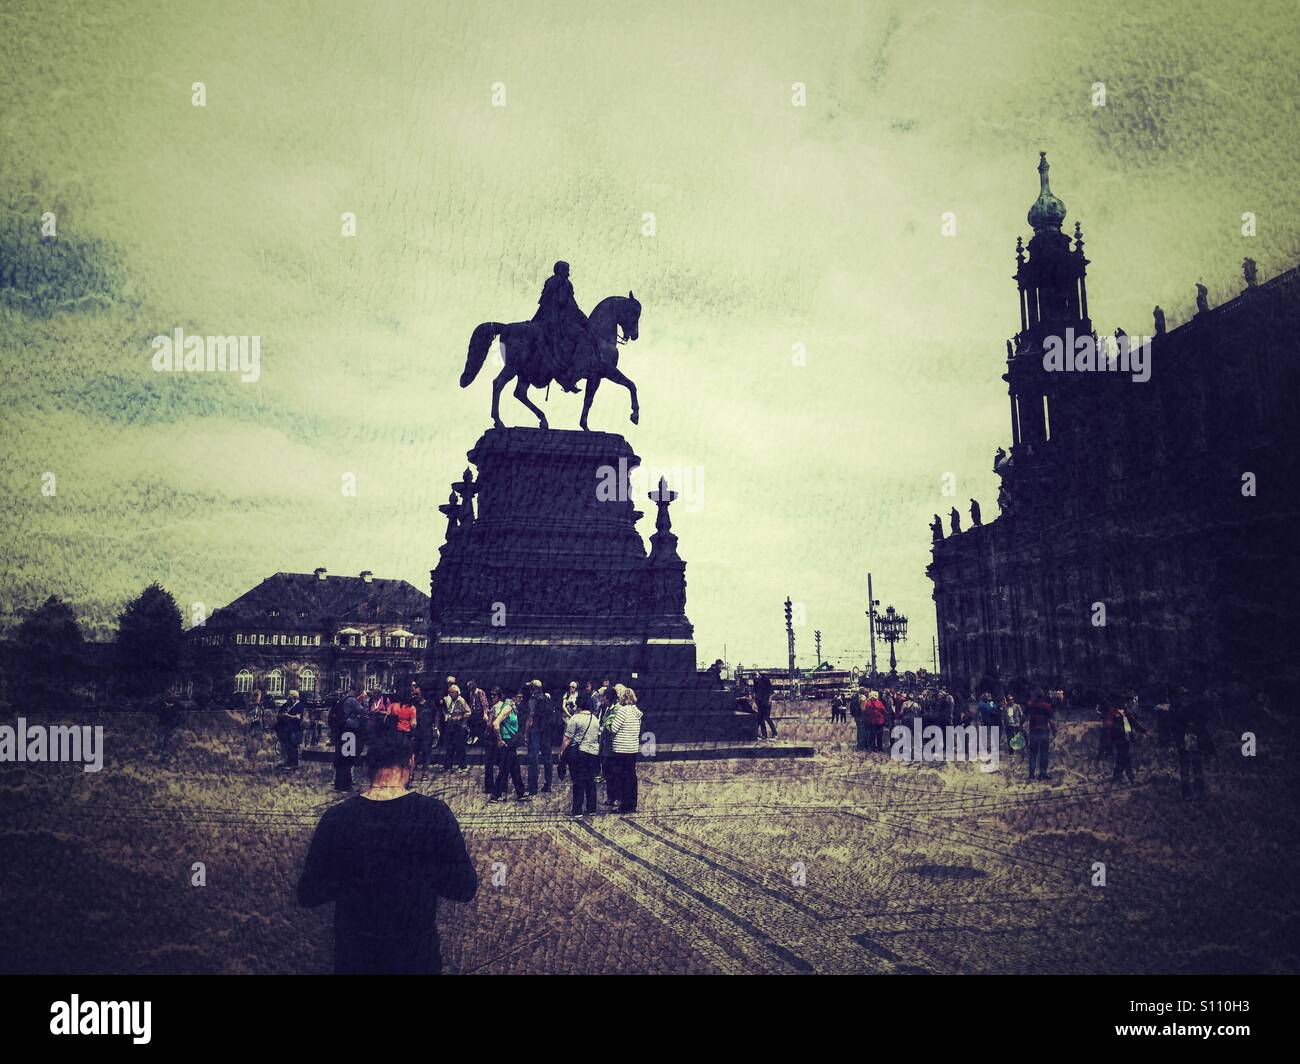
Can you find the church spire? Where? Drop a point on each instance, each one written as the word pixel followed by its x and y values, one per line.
pixel 1047 212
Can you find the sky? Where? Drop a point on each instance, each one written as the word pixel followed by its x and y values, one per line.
pixel 817 347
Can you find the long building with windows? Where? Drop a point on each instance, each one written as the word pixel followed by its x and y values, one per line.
pixel 1148 517
pixel 315 633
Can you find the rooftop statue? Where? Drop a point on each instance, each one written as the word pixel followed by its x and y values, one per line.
pixel 559 344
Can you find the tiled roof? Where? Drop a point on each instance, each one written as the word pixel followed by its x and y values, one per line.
pixel 303 600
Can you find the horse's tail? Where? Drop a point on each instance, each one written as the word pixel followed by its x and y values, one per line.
pixel 478 349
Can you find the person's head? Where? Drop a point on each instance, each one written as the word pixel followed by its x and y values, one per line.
pixel 573 687
pixel 450 680
pixel 496 695
pixel 561 269
pixel 471 687
pixel 415 689
pixel 389 759
pixel 590 686
pixel 609 695
pixel 628 697
pixel 454 691
pixel 536 686
pixel 293 696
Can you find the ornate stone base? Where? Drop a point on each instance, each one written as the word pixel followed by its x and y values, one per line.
pixel 547 577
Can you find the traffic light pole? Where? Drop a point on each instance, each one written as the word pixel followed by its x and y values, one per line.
pixel 789 633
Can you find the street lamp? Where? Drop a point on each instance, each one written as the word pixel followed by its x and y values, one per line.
pixel 891 627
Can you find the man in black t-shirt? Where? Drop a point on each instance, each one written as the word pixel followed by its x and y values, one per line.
pixel 385 858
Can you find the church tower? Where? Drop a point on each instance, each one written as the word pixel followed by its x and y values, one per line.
pixel 1052 284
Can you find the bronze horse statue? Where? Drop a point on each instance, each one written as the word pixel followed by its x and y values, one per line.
pixel 525 355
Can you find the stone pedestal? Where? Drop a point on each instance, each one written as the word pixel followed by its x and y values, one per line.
pixel 547 578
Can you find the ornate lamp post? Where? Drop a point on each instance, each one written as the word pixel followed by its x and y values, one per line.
pixel 891 627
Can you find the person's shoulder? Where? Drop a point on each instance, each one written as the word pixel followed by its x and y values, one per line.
pixel 436 810
pixel 344 811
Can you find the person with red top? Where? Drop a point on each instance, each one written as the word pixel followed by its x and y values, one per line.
pixel 1039 726
pixel 404 716
pixel 875 714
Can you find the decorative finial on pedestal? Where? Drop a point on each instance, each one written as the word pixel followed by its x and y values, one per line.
pixel 664 542
pixel 450 510
pixel 468 489
pixel 663 498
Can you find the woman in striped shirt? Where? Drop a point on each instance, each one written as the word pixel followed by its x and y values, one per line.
pixel 624 725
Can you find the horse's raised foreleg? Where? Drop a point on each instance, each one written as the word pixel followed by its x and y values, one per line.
pixel 521 393
pixel 593 382
pixel 618 377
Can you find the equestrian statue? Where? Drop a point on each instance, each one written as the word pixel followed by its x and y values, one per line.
pixel 560 344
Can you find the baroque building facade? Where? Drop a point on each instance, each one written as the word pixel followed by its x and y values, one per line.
pixel 314 633
pixel 1148 515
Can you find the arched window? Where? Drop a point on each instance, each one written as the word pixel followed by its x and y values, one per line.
pixel 306 680
pixel 243 682
pixel 275 682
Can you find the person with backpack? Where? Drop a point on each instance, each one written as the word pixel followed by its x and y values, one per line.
pixel 581 749
pixel 505 733
pixel 348 724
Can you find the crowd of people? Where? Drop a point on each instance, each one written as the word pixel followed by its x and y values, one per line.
pixel 590 735
pixel 1028 722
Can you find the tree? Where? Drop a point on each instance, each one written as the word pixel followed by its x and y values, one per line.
pixel 149 645
pixel 48 642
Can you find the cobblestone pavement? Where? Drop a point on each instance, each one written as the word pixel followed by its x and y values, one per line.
pixel 842 862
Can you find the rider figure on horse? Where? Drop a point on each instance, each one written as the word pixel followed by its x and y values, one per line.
pixel 564 326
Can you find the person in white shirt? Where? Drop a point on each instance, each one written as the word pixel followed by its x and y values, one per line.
pixel 582 744
pixel 624 726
